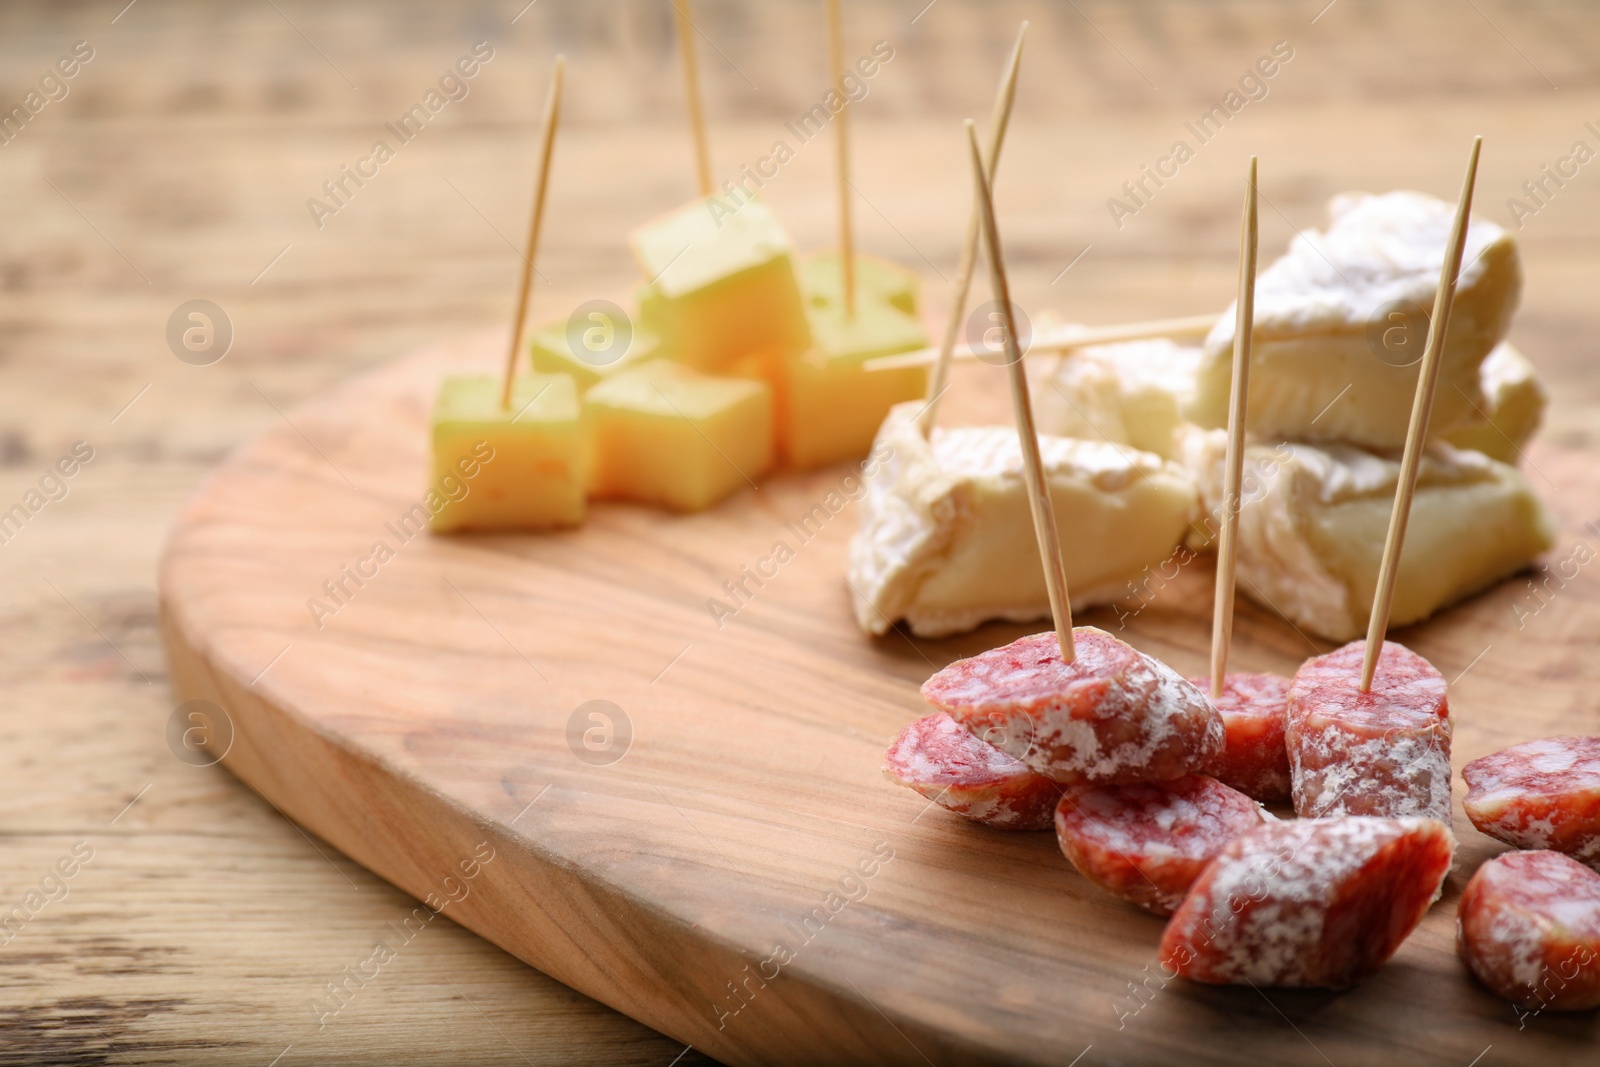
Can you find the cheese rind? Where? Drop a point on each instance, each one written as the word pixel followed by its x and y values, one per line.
pixel 1134 393
pixel 1327 361
pixel 1513 400
pixel 946 540
pixel 533 475
pixel 1313 520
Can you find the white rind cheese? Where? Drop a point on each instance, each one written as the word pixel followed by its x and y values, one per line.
pixel 947 543
pixel 1133 393
pixel 1323 365
pixel 1513 401
pixel 1313 520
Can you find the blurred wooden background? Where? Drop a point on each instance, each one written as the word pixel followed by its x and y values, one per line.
pixel 178 166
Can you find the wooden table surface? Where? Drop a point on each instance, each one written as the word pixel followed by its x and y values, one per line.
pixel 178 166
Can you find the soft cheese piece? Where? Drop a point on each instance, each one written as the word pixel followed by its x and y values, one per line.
pixel 1133 393
pixel 1313 520
pixel 946 539
pixel 1513 400
pixel 1341 319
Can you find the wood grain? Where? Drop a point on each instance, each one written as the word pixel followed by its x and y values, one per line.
pixel 179 166
pixel 441 707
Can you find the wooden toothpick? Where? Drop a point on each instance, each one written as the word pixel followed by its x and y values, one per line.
pixel 847 237
pixel 1044 514
pixel 552 117
pixel 1233 473
pixel 999 119
pixel 691 92
pixel 1063 339
pixel 1421 409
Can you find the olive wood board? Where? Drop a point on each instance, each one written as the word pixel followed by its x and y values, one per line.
pixel 726 863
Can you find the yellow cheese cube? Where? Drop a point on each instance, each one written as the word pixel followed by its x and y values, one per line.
pixel 663 433
pixel 830 407
pixel 522 467
pixel 721 284
pixel 593 353
pixel 878 281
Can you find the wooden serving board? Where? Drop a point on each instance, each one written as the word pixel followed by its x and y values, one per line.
pixel 728 865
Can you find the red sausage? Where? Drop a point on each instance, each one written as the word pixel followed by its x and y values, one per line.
pixel 1112 716
pixel 1540 794
pixel 1148 843
pixel 1319 903
pixel 1254 760
pixel 1529 927
pixel 1385 752
pixel 942 760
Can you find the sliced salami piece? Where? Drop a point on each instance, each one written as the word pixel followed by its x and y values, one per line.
pixel 1319 903
pixel 942 760
pixel 1147 843
pixel 1112 716
pixel 1529 927
pixel 1385 752
pixel 1254 758
pixel 1540 794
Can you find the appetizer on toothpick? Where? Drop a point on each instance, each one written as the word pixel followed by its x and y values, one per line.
pixel 513 446
pixel 1359 750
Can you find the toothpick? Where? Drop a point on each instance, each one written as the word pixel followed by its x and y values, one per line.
pixel 1044 515
pixel 847 237
pixel 1421 408
pixel 552 118
pixel 1233 474
pixel 691 92
pixel 999 119
pixel 1063 339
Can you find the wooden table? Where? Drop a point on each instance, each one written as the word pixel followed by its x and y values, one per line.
pixel 178 167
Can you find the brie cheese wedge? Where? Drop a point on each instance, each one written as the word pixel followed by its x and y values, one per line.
pixel 1513 402
pixel 1341 321
pixel 946 541
pixel 1313 519
pixel 1133 393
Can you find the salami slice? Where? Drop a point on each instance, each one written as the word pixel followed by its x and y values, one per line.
pixel 1319 903
pixel 1254 758
pixel 942 760
pixel 1385 752
pixel 1529 927
pixel 1540 794
pixel 1112 716
pixel 1147 843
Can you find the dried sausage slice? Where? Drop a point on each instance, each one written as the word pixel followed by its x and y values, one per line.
pixel 1147 843
pixel 1529 927
pixel 1112 716
pixel 1254 759
pixel 942 760
pixel 1385 752
pixel 1317 903
pixel 1540 794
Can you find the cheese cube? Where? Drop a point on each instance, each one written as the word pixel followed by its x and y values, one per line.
pixel 721 284
pixel 590 355
pixel 662 433
pixel 946 541
pixel 529 457
pixel 1313 518
pixel 1514 401
pixel 878 281
pixel 830 407
pixel 1341 321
